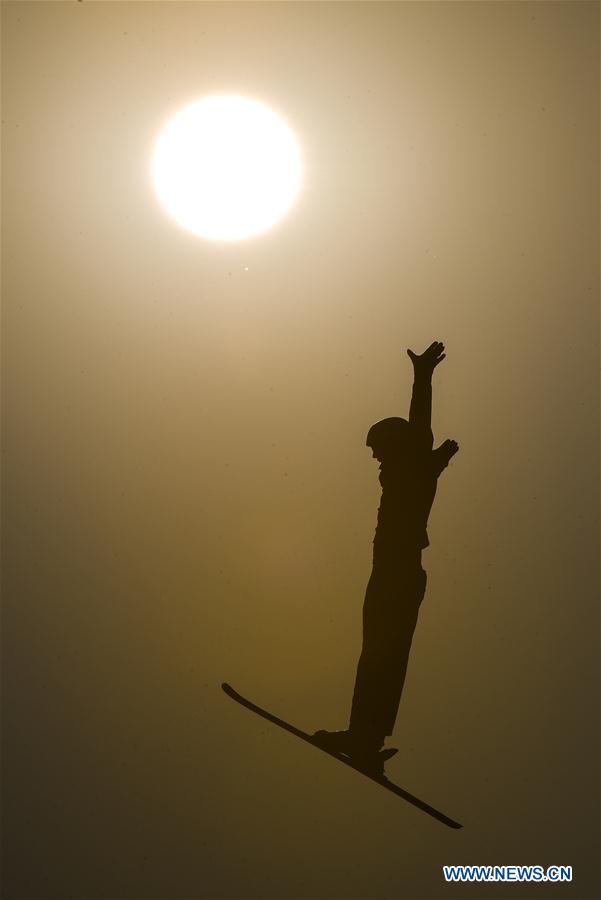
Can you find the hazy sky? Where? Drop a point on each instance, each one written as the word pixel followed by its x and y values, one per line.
pixel 188 498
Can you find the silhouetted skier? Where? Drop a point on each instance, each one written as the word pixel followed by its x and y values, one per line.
pixel 409 469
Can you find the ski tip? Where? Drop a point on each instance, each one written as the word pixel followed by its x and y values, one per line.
pixel 225 686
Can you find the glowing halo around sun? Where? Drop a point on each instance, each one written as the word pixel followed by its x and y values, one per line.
pixel 226 167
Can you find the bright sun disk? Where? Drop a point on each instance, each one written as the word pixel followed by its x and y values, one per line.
pixel 226 167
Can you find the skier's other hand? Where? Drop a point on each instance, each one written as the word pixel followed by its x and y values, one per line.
pixel 449 448
pixel 426 362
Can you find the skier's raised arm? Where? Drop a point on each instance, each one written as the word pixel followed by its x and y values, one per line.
pixel 420 412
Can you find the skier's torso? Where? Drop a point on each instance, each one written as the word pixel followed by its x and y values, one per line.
pixel 408 490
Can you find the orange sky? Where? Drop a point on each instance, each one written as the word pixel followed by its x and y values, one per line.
pixel 188 497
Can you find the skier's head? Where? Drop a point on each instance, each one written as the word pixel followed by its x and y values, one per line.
pixel 389 438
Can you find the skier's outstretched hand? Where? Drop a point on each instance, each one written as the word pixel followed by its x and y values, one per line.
pixel 425 363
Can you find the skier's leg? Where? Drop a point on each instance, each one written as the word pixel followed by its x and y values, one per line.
pixel 366 714
pixel 389 619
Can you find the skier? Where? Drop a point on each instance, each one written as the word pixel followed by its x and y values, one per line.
pixel 409 469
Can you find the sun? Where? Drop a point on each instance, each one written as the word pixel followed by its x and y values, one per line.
pixel 226 167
